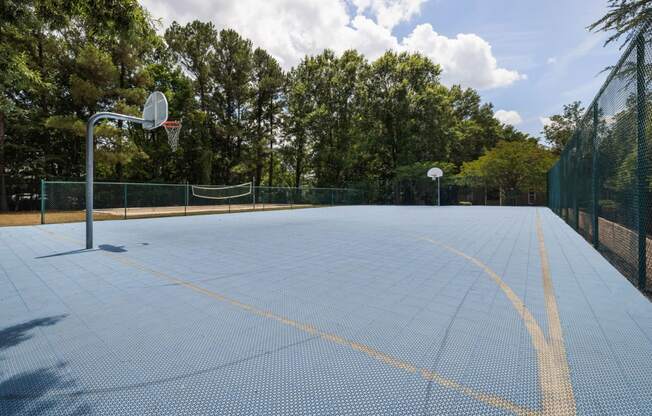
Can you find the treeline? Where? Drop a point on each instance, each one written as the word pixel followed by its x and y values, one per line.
pixel 329 121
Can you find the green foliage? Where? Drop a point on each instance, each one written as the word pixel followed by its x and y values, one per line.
pixel 329 121
pixel 562 126
pixel 625 17
pixel 510 166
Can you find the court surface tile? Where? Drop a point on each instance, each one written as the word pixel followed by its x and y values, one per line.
pixel 364 310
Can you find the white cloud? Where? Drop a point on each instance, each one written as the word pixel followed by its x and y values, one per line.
pixel 545 121
pixel 389 12
pixel 552 60
pixel 508 117
pixel 465 59
pixel 291 29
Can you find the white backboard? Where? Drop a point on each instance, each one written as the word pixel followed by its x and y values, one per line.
pixel 155 111
pixel 435 173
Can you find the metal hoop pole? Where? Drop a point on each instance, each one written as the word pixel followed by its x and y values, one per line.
pixel 90 149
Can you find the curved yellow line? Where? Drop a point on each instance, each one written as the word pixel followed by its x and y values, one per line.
pixel 554 373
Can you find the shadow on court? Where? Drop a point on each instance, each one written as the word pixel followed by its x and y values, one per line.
pixel 14 335
pixel 30 392
pixel 35 392
pixel 101 247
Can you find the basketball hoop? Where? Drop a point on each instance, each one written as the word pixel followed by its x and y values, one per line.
pixel 172 128
pixel 435 174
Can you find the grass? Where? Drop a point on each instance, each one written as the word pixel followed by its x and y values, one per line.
pixel 52 217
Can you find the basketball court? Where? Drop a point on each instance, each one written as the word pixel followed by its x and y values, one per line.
pixel 342 310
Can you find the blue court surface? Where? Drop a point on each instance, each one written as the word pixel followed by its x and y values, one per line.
pixel 326 311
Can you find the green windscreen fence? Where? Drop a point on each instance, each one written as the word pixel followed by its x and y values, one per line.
pixel 601 184
pixel 134 200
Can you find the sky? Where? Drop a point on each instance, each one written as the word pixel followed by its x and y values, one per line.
pixel 527 57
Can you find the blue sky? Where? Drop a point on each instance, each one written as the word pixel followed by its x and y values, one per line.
pixel 545 40
pixel 527 57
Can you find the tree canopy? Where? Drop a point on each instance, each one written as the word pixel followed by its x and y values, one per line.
pixel 332 120
pixel 624 18
pixel 512 167
pixel 562 126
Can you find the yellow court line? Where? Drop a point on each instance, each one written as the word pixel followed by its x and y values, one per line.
pixel 561 399
pixel 426 374
pixel 554 374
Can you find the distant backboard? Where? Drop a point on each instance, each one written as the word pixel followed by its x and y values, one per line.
pixel 155 111
pixel 435 173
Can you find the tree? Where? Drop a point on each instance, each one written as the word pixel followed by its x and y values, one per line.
pixel 297 118
pixel 476 130
pixel 231 70
pixel 393 86
pixel 517 166
pixel 562 126
pixel 103 69
pixel 624 18
pixel 21 81
pixel 193 47
pixel 333 120
pixel 332 125
pixel 474 174
pixel 267 86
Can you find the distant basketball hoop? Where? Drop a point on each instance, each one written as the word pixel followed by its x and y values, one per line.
pixel 435 174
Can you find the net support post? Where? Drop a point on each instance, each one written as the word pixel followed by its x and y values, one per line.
pixel 125 200
pixel 42 201
pixel 641 161
pixel 595 206
pixel 187 197
pixel 253 191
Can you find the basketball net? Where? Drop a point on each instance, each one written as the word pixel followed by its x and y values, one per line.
pixel 172 128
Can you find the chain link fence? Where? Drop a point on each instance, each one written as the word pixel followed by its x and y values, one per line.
pixel 601 184
pixel 112 200
pixel 423 191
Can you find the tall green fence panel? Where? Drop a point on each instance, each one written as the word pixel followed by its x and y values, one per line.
pixel 601 183
pixel 113 200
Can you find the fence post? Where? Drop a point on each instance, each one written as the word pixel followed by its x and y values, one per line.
pixel 575 155
pixel 42 201
pixel 641 161
pixel 125 200
pixel 595 207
